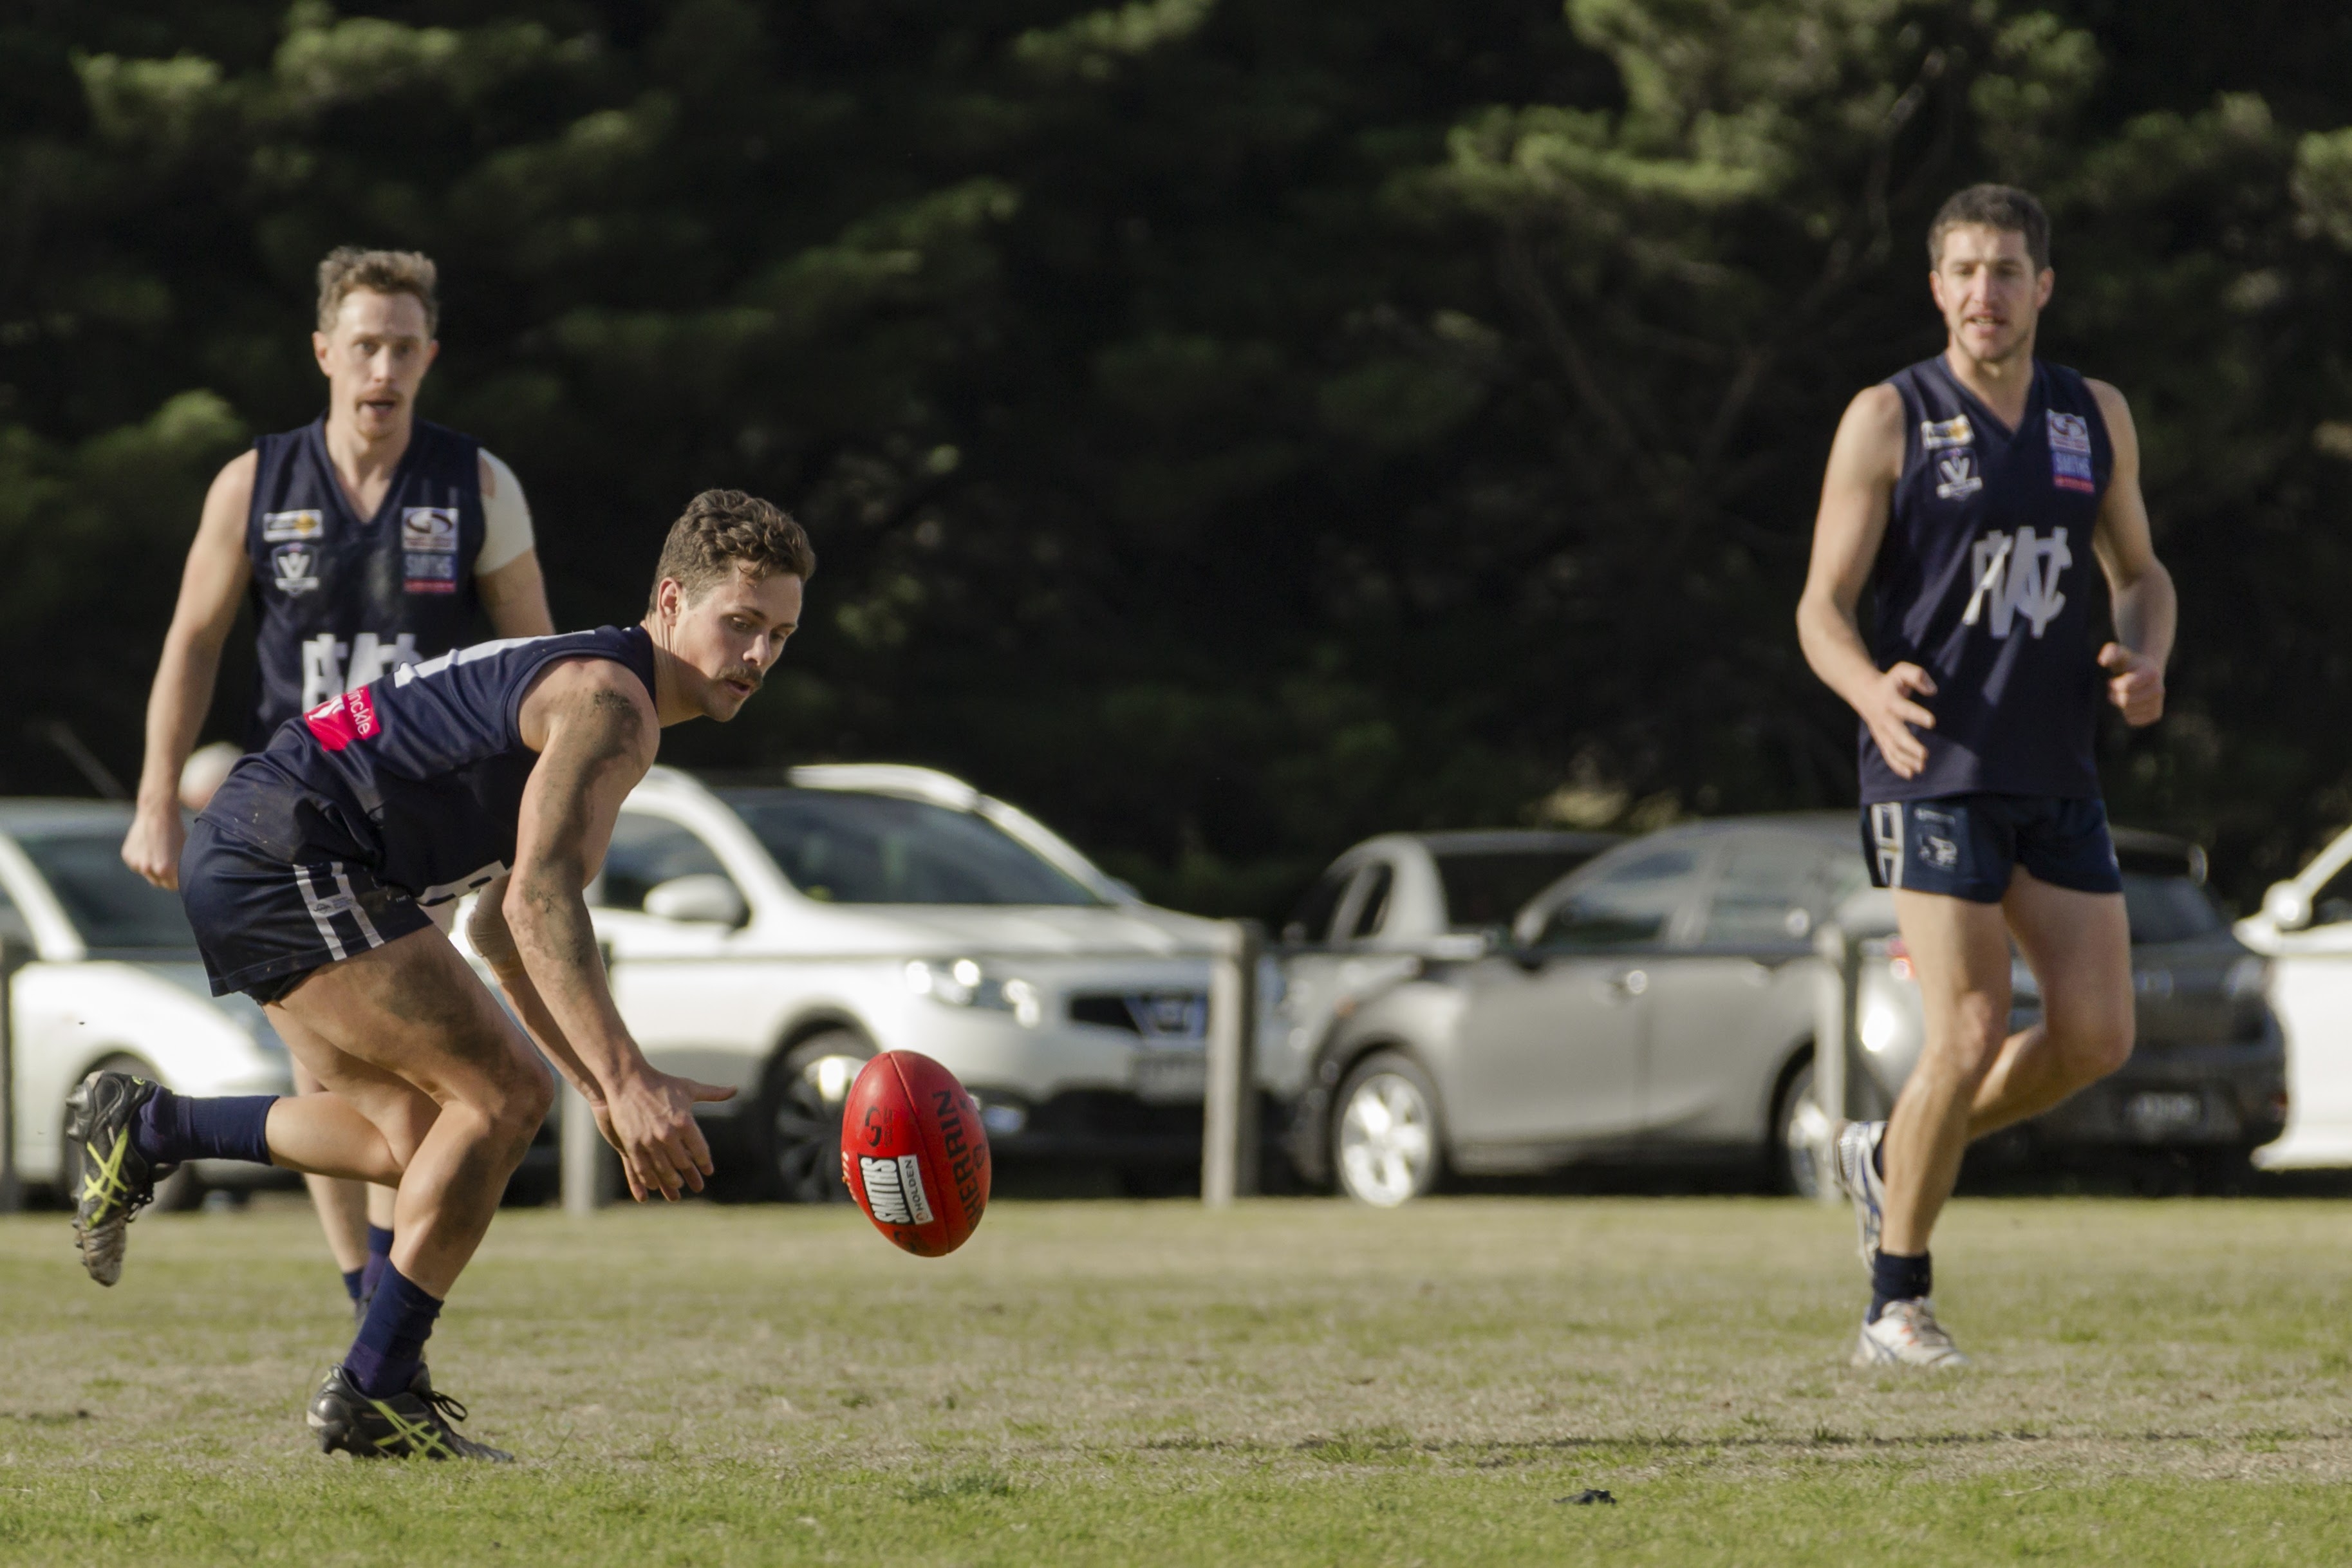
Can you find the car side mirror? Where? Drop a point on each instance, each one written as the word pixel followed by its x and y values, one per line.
pixel 2286 906
pixel 704 897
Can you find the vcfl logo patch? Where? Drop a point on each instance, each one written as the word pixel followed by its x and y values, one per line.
pixel 894 1189
pixel 2018 576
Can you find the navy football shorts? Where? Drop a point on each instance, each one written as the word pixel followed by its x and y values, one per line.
pixel 1967 846
pixel 263 923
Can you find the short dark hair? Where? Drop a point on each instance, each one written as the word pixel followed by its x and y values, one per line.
pixel 724 532
pixel 2004 208
pixel 349 269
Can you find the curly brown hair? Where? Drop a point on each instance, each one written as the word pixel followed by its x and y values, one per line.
pixel 723 531
pixel 349 267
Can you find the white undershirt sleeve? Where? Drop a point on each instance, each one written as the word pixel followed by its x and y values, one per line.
pixel 506 519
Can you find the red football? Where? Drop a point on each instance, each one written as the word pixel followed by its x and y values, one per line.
pixel 913 1153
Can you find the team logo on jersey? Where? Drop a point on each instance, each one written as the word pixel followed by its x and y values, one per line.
pixel 431 530
pixel 281 527
pixel 294 568
pixel 2070 453
pixel 1959 476
pixel 2018 576
pixel 1936 434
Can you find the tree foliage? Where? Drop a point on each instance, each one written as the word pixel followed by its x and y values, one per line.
pixel 1228 427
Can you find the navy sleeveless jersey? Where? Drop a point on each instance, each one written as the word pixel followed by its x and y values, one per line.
pixel 418 775
pixel 1986 580
pixel 339 600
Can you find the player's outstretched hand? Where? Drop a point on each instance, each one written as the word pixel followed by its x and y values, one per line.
pixel 650 1120
pixel 1890 713
pixel 152 846
pixel 2135 684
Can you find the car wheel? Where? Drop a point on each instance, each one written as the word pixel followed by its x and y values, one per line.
pixel 799 1116
pixel 1796 1123
pixel 1384 1135
pixel 176 1193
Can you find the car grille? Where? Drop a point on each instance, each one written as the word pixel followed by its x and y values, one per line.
pixel 1167 1017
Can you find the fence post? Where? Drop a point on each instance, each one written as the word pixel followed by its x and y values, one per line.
pixel 1229 1120
pixel 590 1173
pixel 15 953
pixel 587 1171
pixel 1833 1033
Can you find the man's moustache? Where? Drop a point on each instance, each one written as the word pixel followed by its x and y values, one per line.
pixel 744 673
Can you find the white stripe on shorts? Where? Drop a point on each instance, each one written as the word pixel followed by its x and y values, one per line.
pixel 1886 829
pixel 367 926
pixel 322 912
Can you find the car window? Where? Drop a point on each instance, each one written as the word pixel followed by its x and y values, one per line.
pixel 847 848
pixel 1373 902
pixel 648 850
pixel 1769 893
pixel 1487 888
pixel 2169 908
pixel 1630 905
pixel 1311 921
pixel 113 907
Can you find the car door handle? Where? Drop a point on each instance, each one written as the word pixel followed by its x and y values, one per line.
pixel 1630 984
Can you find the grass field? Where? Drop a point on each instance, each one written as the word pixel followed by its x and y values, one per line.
pixel 1289 1382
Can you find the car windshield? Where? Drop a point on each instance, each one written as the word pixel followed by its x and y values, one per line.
pixel 2169 908
pixel 850 849
pixel 1487 888
pixel 115 909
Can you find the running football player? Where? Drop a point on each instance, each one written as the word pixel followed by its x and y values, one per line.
pixel 367 539
pixel 1971 493
pixel 499 767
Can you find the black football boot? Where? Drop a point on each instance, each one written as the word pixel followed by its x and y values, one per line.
pixel 416 1424
pixel 117 1181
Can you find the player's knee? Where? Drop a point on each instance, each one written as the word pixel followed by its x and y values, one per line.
pixel 1972 1043
pixel 2101 1047
pixel 520 1104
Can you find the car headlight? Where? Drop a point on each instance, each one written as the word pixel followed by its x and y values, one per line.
pixel 964 983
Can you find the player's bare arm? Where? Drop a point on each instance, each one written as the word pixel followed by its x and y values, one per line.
pixel 211 586
pixel 2146 610
pixel 1866 459
pixel 594 727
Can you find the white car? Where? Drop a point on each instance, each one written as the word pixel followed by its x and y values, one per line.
pixel 115 983
pixel 772 937
pixel 2304 928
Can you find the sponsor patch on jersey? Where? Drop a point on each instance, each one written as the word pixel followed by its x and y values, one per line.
pixel 1936 434
pixel 294 568
pixel 1956 476
pixel 283 527
pixel 444 567
pixel 428 530
pixel 340 720
pixel 2070 453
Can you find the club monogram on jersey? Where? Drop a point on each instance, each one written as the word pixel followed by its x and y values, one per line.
pixel 2017 575
pixel 325 673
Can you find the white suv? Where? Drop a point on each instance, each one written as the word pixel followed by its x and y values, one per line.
pixel 775 936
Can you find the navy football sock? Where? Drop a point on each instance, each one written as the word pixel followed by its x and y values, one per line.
pixel 1896 1278
pixel 391 1344
pixel 176 1127
pixel 379 1258
pixel 351 1281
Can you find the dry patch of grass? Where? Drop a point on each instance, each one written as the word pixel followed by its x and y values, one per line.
pixel 1297 1381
